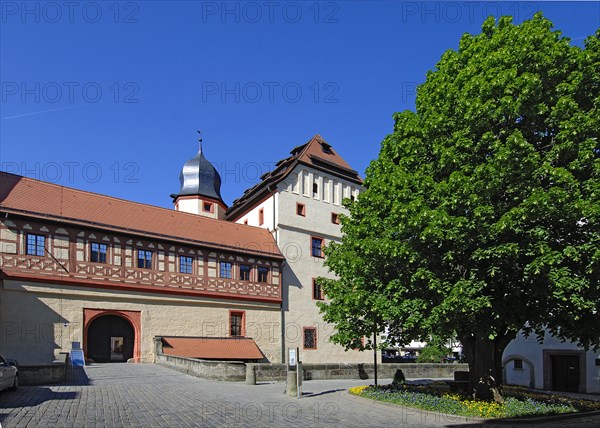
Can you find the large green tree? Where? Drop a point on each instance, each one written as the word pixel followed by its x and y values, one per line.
pixel 481 215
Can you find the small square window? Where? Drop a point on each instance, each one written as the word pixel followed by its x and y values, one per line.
pixel 145 259
pixel 335 218
pixel 225 270
pixel 310 338
pixel 301 209
pixel 208 207
pixel 317 247
pixel 261 217
pixel 185 264
pixel 317 290
pixel 98 252
pixel 263 273
pixel 518 363
pixel 35 245
pixel 245 272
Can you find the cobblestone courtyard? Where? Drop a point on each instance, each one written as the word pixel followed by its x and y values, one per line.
pixel 147 395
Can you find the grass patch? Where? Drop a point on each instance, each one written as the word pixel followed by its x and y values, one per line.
pixel 435 397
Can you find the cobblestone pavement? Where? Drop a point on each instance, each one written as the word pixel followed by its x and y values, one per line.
pixel 146 395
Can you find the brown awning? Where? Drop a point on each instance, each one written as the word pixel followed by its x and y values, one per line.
pixel 212 348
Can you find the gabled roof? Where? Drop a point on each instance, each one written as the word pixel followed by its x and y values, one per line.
pixel 316 153
pixel 212 348
pixel 39 199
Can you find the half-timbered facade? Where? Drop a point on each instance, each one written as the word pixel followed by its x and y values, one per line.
pixel 71 259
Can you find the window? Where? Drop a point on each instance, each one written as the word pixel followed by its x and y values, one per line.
pixel 35 245
pixel 317 247
pixel 518 364
pixel 317 290
pixel 359 344
pixel 300 209
pixel 245 272
pixel 261 217
pixel 225 270
pixel 98 253
pixel 208 207
pixel 236 323
pixel 310 338
pixel 326 148
pixel 315 189
pixel 263 273
pixel 335 218
pixel 246 221
pixel 185 264
pixel 145 259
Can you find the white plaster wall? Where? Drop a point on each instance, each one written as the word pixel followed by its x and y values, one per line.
pixel 294 239
pixel 530 349
pixel 515 376
pixel 195 206
pixel 33 317
pixel 268 211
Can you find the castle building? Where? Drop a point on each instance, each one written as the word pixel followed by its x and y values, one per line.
pixel 113 274
pixel 300 202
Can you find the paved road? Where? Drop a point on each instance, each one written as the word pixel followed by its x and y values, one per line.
pixel 146 395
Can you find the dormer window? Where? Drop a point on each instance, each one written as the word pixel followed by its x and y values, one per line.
pixel 326 148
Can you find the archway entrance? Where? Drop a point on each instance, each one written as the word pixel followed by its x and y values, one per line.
pixel 110 338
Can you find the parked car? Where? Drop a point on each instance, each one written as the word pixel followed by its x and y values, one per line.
pixel 9 374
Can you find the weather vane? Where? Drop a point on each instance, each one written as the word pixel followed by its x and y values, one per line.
pixel 199 139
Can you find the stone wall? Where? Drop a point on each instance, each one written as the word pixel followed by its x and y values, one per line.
pixel 217 370
pixel 44 374
pixel 265 372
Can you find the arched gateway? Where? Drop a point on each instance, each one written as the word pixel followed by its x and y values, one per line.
pixel 111 336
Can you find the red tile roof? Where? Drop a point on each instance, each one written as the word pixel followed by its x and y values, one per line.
pixel 22 195
pixel 212 348
pixel 316 153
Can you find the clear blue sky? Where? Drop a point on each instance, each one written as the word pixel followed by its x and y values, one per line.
pixel 107 96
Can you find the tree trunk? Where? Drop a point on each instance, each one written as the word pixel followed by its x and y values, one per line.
pixel 485 364
pixel 483 374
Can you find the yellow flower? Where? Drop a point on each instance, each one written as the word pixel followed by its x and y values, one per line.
pixel 357 390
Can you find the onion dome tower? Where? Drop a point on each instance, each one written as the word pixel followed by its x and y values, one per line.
pixel 200 191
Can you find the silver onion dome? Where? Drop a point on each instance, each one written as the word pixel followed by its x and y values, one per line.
pixel 199 177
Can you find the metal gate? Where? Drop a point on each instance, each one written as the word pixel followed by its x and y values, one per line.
pixel 110 338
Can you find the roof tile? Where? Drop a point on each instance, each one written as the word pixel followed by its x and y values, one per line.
pixel 48 200
pixel 212 348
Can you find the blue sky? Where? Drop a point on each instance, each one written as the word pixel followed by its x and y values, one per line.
pixel 107 96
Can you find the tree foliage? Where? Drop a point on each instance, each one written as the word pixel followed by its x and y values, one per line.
pixel 481 215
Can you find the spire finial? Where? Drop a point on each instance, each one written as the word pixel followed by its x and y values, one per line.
pixel 199 140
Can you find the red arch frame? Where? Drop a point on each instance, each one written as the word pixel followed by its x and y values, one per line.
pixel 133 317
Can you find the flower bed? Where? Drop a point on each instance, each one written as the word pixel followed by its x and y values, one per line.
pixel 435 397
